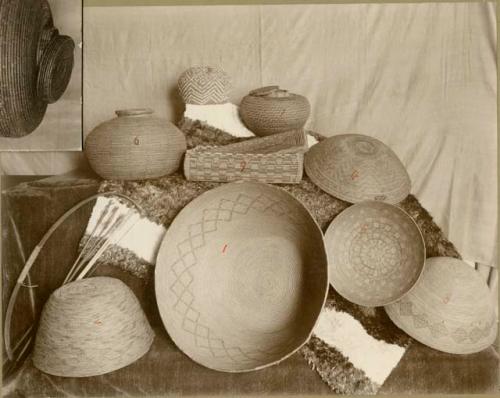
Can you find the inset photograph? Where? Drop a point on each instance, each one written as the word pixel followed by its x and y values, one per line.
pixel 41 75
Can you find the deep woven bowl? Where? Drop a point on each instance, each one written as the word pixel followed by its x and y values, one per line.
pixel 135 145
pixel 376 253
pixel 450 308
pixel 203 85
pixel 266 114
pixel 35 65
pixel 241 277
pixel 355 168
pixel 91 327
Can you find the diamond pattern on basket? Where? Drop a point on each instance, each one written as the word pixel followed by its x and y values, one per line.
pixel 186 259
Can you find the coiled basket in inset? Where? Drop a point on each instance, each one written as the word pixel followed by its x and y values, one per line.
pixel 90 327
pixel 135 145
pixel 35 65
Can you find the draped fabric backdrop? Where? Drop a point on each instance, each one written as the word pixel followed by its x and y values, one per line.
pixel 420 77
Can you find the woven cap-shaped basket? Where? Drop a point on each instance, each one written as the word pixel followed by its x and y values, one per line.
pixel 241 277
pixel 91 327
pixel 450 309
pixel 35 64
pixel 376 253
pixel 203 85
pixel 355 167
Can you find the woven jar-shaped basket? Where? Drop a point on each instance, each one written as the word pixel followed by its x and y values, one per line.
pixel 203 85
pixel 241 277
pixel 35 65
pixel 269 110
pixel 91 327
pixel 135 145
pixel 450 308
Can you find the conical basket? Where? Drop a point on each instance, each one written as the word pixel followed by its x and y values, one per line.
pixel 91 327
pixel 241 277
pixel 355 168
pixel 376 253
pixel 450 308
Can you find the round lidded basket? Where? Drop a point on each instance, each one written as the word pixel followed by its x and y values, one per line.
pixel 241 277
pixel 135 145
pixel 356 167
pixel 376 253
pixel 270 110
pixel 203 85
pixel 35 65
pixel 450 308
pixel 91 327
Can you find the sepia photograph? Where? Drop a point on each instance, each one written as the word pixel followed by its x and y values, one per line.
pixel 270 199
pixel 41 75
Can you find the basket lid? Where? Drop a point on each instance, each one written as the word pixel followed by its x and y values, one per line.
pixel 450 309
pixel 376 253
pixel 241 277
pixel 90 327
pixel 355 167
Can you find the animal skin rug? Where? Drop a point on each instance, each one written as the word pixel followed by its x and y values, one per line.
pixel 353 348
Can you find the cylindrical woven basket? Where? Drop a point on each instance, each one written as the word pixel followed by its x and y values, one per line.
pixel 376 253
pixel 91 327
pixel 35 65
pixel 203 85
pixel 209 164
pixel 287 142
pixel 355 168
pixel 135 145
pixel 449 309
pixel 241 277
pixel 269 112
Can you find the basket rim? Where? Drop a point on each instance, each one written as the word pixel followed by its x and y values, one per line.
pixel 316 225
pixel 421 239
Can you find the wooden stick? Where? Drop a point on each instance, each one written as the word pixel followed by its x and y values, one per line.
pixel 33 256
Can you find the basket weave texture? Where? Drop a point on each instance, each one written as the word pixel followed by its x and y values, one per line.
pixel 241 277
pixel 355 168
pixel 265 114
pixel 91 327
pixel 207 164
pixel 203 85
pixel 294 141
pixel 376 253
pixel 135 145
pixel 35 65
pixel 449 309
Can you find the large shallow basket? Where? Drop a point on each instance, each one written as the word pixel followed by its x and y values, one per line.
pixel 91 327
pixel 267 112
pixel 35 65
pixel 376 253
pixel 203 85
pixel 449 309
pixel 241 277
pixel 355 167
pixel 211 164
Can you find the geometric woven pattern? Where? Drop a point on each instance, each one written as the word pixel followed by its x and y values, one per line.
pixel 449 309
pixel 204 85
pixel 355 167
pixel 177 273
pixel 376 253
pixel 209 165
